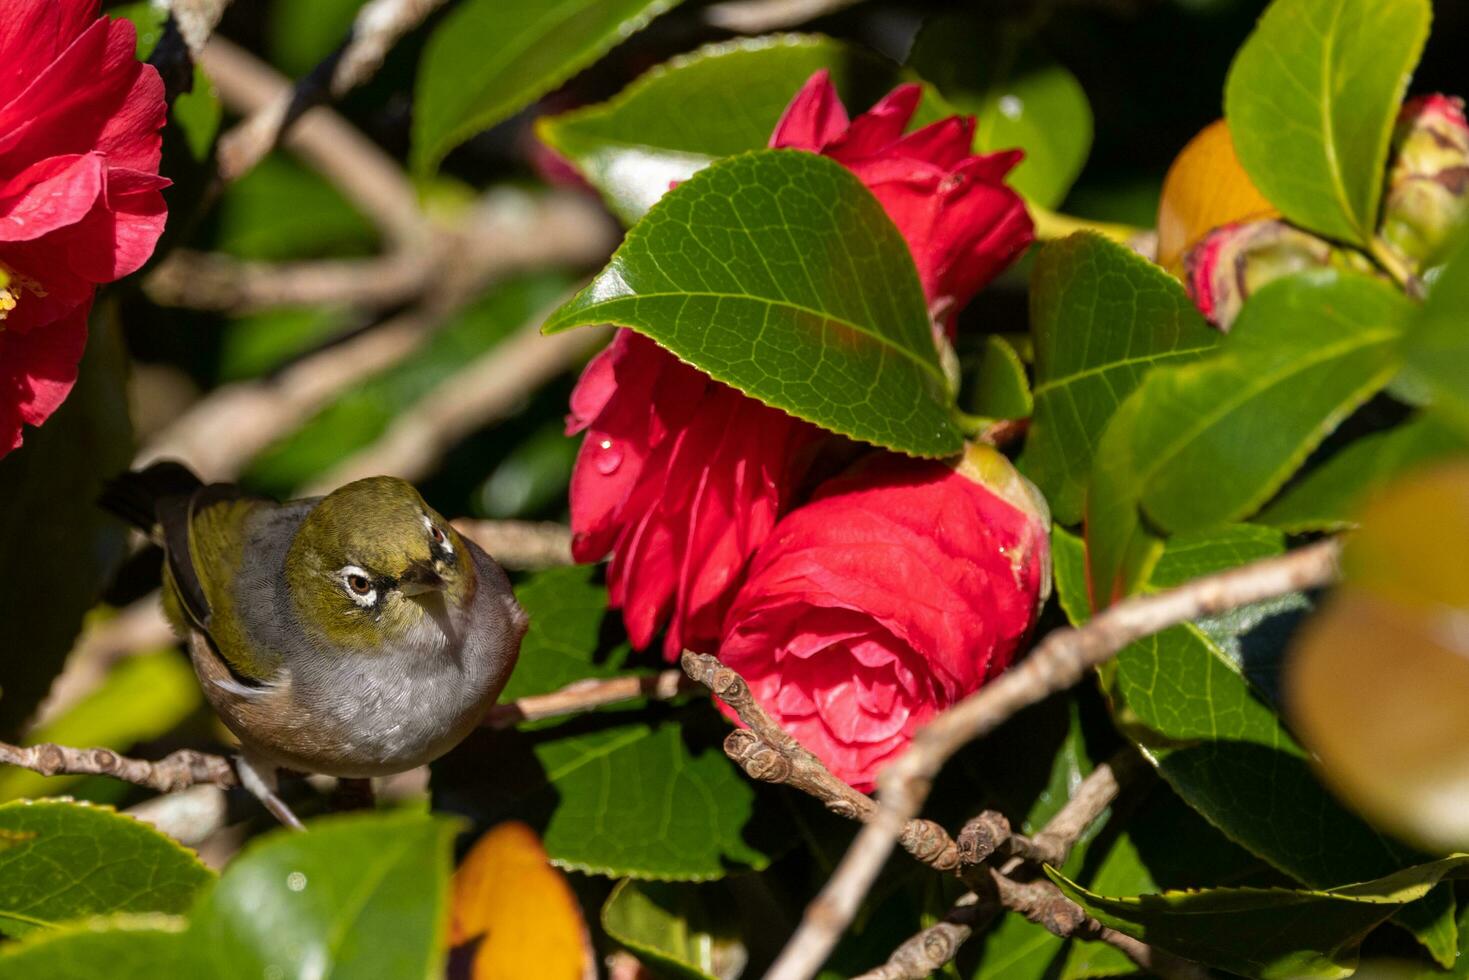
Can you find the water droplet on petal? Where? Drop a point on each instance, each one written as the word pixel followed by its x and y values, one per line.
pixel 609 459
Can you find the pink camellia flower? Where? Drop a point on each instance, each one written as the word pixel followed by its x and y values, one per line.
pixel 80 200
pixel 681 477
pixel 900 588
pixel 963 224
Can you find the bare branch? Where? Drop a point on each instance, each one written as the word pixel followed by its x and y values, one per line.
pixel 760 16
pixel 205 281
pixel 196 21
pixel 520 545
pixel 370 178
pixel 1057 663
pixel 174 772
pixel 488 388
pixel 379 25
pixel 768 753
pixel 587 695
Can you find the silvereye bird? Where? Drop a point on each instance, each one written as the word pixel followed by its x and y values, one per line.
pixel 356 634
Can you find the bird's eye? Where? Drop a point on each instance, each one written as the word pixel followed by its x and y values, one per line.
pixel 359 584
pixel 437 532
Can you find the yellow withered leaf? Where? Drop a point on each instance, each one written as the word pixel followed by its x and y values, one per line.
pixel 1205 188
pixel 517 911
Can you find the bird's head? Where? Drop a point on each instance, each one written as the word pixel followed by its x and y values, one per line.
pixel 374 566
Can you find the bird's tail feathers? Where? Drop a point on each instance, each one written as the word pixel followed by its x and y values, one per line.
pixel 135 496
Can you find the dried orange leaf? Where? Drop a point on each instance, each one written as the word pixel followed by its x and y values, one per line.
pixel 1206 187
pixel 517 912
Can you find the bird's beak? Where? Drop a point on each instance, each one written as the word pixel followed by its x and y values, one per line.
pixel 420 577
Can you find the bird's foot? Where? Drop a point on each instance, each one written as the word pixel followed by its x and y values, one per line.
pixel 259 779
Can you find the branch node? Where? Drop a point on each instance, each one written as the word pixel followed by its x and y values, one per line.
pixel 982 837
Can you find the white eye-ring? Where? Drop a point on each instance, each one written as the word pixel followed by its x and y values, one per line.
pixel 359 586
pixel 437 533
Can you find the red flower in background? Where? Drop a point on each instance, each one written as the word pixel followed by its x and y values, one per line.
pixel 961 221
pixel 900 588
pixel 682 478
pixel 80 200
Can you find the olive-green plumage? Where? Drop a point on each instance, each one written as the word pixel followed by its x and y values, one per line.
pixel 354 634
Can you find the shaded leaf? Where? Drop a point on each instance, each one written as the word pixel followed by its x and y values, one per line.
pixel 778 273
pixel 1120 548
pixel 1328 498
pixel 1267 933
pixel 61 861
pixel 567 611
pixel 302 34
pixel 1224 433
pixel 671 926
pixel 490 58
pixel 51 523
pixel 1020 97
pixel 679 117
pixel 1437 350
pixel 1311 99
pixel 281 210
pixel 517 911
pixel 1102 317
pixel 1000 388
pixel 357 896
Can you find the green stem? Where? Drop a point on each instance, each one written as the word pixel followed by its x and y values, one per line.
pixel 1396 268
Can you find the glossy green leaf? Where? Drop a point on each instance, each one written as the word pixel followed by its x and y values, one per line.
pixel 1266 933
pixel 58 541
pixel 1000 388
pixel 672 927
pixel 1191 696
pixel 1329 497
pixel 1068 572
pixel 1224 433
pixel 122 947
pixel 143 697
pixel 1102 317
pixel 680 117
pixel 1438 345
pixel 358 896
pixel 1311 99
pixel 777 272
pixel 1120 548
pixel 490 58
pixel 1020 98
pixel 61 861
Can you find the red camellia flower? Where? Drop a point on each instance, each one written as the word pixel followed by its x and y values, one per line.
pixel 900 588
pixel 681 477
pixel 962 223
pixel 79 189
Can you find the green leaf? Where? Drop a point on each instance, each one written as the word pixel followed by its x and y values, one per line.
pixel 363 413
pixel 777 272
pixel 281 210
pixel 671 927
pixel 531 479
pixel 51 529
pixel 1224 433
pixel 1019 96
pixel 363 895
pixel 299 35
pixel 490 58
pixel 1120 548
pixel 1197 711
pixel 1330 496
pixel 1311 99
pixel 258 343
pixel 1102 316
pixel 1438 344
pixel 122 947
pixel 680 116
pixel 1068 571
pixel 61 861
pixel 651 797
pixel 567 610
pixel 1266 933
pixel 197 114
pixel 1000 388
pixel 143 697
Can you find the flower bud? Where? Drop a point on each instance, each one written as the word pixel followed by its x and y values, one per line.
pixel 1427 197
pixel 1232 262
pixel 903 586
